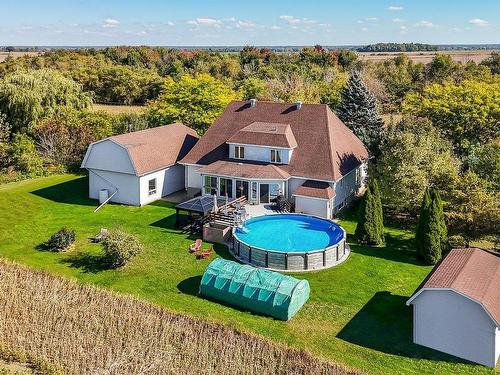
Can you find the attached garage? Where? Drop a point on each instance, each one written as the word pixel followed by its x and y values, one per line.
pixel 140 167
pixel 456 310
pixel 314 198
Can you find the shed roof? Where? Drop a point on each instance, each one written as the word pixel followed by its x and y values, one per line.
pixel 472 272
pixel 315 189
pixel 326 148
pixel 265 134
pixel 156 148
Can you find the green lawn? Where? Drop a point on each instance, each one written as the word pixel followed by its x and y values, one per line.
pixel 356 314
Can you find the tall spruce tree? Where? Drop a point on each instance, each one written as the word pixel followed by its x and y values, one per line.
pixel 431 237
pixel 370 227
pixel 358 110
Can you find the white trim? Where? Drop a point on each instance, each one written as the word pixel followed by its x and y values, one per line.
pixel 306 196
pixel 243 178
pixel 192 165
pixel 412 298
pixel 264 146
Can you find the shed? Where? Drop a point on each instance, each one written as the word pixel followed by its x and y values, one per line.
pixel 456 309
pixel 254 289
pixel 139 167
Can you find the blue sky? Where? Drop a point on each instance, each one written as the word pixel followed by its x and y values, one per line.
pixel 257 22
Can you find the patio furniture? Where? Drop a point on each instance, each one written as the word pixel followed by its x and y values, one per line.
pixel 205 254
pixel 195 246
pixel 102 234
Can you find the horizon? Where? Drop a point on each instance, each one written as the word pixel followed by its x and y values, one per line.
pixel 195 23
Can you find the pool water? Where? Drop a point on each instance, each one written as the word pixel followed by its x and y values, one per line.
pixel 289 233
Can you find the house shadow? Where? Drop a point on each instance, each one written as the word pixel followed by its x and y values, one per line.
pixel 396 249
pixel 385 324
pixel 87 263
pixel 71 192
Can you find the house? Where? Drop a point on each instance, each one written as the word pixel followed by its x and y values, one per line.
pixel 456 309
pixel 139 167
pixel 264 149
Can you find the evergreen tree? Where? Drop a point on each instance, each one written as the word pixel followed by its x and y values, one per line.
pixel 431 236
pixel 358 110
pixel 379 214
pixel 369 229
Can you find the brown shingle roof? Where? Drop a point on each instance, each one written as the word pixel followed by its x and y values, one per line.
pixel 265 134
pixel 156 148
pixel 315 189
pixel 326 148
pixel 245 170
pixel 472 272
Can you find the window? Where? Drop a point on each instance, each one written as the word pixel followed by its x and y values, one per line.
pixel 226 187
pixel 239 152
pixel 274 191
pixel 254 191
pixel 275 156
pixel 241 188
pixel 152 186
pixel 210 185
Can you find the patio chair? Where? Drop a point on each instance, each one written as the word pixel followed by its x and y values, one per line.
pixel 205 254
pixel 196 246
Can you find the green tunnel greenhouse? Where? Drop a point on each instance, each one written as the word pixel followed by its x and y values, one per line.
pixel 254 289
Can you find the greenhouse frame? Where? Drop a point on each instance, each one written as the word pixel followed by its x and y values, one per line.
pixel 254 289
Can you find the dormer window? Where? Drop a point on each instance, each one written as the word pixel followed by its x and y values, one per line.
pixel 276 156
pixel 239 152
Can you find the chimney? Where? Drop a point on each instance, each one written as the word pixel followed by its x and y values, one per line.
pixel 298 104
pixel 253 102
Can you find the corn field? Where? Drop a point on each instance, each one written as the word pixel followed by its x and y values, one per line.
pixel 85 330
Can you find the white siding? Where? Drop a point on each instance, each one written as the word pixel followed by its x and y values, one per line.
pixel 127 184
pixel 193 177
pixel 313 206
pixel 451 323
pixel 108 156
pixel 347 187
pixel 497 344
pixel 168 181
pixel 262 153
pixel 293 184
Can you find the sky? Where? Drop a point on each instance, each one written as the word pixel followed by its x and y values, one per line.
pixel 254 22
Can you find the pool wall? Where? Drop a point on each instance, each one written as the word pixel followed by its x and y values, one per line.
pixel 291 261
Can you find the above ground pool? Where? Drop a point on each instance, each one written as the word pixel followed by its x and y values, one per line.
pixel 290 242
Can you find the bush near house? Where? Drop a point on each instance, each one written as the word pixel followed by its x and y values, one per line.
pixel 61 240
pixel 119 247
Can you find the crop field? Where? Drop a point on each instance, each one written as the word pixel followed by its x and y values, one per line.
pixel 85 330
pixel 426 57
pixel 4 55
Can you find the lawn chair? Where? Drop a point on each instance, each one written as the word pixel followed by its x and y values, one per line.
pixel 195 247
pixel 101 236
pixel 205 254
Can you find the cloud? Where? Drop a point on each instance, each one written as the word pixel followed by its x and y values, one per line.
pixel 403 28
pixel 398 20
pixel 295 20
pixel 395 8
pixel 371 18
pixel 478 22
pixel 170 23
pixel 275 27
pixel 364 29
pixel 245 24
pixel 426 24
pixel 206 21
pixel 110 23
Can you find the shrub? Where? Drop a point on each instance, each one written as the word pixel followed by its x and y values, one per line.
pixel 119 247
pixel 370 227
pixel 61 240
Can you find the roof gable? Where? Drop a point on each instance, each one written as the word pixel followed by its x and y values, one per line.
pixel 265 134
pixel 472 272
pixel 152 149
pixel 326 148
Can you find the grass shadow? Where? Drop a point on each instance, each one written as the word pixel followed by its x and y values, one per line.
pixel 396 249
pixel 88 263
pixel 385 324
pixel 71 192
pixel 167 222
pixel 43 247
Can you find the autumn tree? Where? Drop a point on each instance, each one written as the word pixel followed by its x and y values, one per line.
pixel 196 101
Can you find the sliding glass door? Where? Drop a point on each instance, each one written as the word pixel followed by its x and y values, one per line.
pixel 241 188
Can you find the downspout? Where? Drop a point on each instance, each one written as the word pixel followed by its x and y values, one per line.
pixel 108 182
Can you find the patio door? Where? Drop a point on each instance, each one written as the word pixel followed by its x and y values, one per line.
pixel 264 193
pixel 241 188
